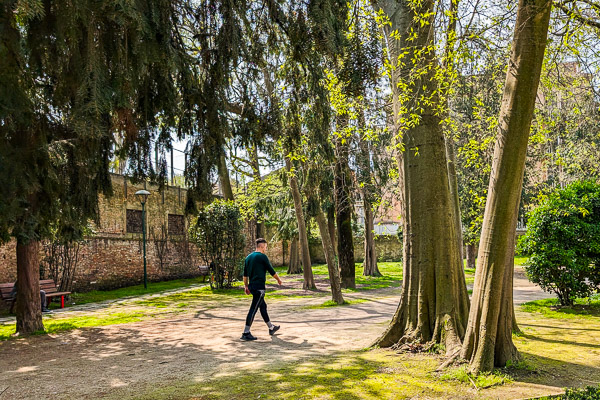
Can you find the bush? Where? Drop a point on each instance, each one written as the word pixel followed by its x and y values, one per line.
pixel 588 393
pixel 218 233
pixel 563 242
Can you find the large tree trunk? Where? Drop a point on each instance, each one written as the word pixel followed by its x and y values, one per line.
pixel 343 209
pixel 29 309
pixel 309 280
pixel 224 180
pixel 434 305
pixel 488 341
pixel 450 151
pixel 334 272
pixel 294 267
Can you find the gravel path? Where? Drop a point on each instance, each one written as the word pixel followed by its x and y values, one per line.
pixel 199 344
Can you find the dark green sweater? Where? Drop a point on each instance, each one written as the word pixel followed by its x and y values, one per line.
pixel 256 266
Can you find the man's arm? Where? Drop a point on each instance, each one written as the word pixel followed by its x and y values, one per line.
pixel 246 290
pixel 272 271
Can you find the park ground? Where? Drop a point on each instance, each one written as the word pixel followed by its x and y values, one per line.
pixel 182 342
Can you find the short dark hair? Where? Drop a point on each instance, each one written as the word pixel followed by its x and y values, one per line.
pixel 260 240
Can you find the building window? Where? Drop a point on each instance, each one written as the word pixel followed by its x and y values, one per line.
pixel 134 221
pixel 176 224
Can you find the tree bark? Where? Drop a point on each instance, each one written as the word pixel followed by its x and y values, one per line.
pixel 453 182
pixel 294 267
pixel 224 177
pixel 448 62
pixel 471 255
pixel 343 209
pixel 331 227
pixel 370 262
pixel 364 161
pixel 29 309
pixel 334 272
pixel 488 340
pixel 434 304
pixel 309 280
pixel 253 151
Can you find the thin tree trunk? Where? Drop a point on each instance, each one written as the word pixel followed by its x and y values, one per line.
pixel 434 304
pixel 334 272
pixel 224 177
pixel 331 227
pixel 29 308
pixel 471 255
pixel 453 182
pixel 294 267
pixel 253 150
pixel 309 280
pixel 343 210
pixel 488 340
pixel 370 262
pixel 364 161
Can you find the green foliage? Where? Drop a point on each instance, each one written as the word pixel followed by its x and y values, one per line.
pixel 218 233
pixel 75 74
pixel 563 242
pixel 587 393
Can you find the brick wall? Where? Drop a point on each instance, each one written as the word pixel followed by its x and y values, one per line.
pixel 112 257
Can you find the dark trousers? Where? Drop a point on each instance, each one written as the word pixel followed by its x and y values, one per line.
pixel 258 303
pixel 42 300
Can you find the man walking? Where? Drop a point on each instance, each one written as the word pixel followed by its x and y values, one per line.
pixel 256 266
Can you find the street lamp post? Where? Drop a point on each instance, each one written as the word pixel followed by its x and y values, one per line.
pixel 142 195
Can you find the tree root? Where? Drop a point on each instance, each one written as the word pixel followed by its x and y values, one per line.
pixel 449 361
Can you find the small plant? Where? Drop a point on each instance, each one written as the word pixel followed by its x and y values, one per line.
pixel 563 242
pixel 218 233
pixel 481 381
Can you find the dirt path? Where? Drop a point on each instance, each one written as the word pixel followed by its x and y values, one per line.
pixel 124 359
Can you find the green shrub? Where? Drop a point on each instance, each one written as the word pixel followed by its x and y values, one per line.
pixel 563 242
pixel 218 233
pixel 588 393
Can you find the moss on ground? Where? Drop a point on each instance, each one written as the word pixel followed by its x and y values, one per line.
pixel 556 353
pixel 377 374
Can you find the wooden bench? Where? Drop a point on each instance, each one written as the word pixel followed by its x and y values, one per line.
pixel 204 271
pixel 47 285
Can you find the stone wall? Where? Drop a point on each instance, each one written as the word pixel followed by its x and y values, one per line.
pixel 388 248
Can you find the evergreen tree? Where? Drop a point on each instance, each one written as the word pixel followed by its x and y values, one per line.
pixel 72 74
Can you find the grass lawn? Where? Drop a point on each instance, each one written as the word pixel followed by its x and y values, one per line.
pixel 163 304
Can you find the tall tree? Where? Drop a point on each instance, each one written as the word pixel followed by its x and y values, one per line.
pixel 73 74
pixel 488 339
pixel 344 204
pixel 434 302
pixel 309 280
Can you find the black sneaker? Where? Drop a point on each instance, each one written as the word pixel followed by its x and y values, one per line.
pixel 247 336
pixel 274 329
pixel 45 310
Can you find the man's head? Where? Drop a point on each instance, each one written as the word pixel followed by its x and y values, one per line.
pixel 261 245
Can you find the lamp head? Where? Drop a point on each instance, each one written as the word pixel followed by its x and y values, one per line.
pixel 142 195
